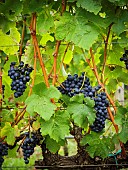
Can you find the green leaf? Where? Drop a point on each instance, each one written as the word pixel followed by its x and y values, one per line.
pixel 88 138
pixel 8 43
pixel 112 85
pixel 123 135
pixel 52 145
pixel 6 24
pixel 51 92
pixel 66 99
pixel 78 98
pixel 82 112
pixel 99 146
pixel 31 102
pixel 10 133
pixel 91 5
pixel 39 89
pixel 44 22
pixel 76 29
pixel 41 105
pixel 32 6
pixel 7 115
pixel 114 55
pixel 68 57
pixel 123 38
pixel 57 127
pixel 120 115
pixel 45 38
pixel 12 153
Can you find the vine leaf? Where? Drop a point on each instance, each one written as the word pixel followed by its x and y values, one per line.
pixel 123 135
pixel 99 146
pixel 76 29
pixel 10 133
pixel 32 6
pixel 120 115
pixel 121 118
pixel 68 56
pixel 51 92
pixel 45 38
pixel 52 145
pixel 41 105
pixel 81 112
pixel 44 22
pixel 10 40
pixel 91 6
pixel 36 125
pixel 40 101
pixel 11 10
pixel 57 127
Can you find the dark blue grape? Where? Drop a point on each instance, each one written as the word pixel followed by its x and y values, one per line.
pixel 3 152
pixel 125 58
pixel 20 75
pixel 28 145
pixel 75 84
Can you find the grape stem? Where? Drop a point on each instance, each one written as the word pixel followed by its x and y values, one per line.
pixel 50 72
pixel 63 58
pixel 20 116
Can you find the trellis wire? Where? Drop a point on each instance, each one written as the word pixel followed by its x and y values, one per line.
pixel 61 44
pixel 70 166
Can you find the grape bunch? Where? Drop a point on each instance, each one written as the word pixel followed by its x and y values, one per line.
pixel 75 84
pixel 101 104
pixel 125 58
pixel 20 75
pixel 3 152
pixel 28 146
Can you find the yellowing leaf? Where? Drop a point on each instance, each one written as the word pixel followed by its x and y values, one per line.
pixel 8 43
pixel 10 133
pixel 16 131
pixel 68 57
pixel 36 125
pixel 45 38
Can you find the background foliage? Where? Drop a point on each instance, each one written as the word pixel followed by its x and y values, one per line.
pixel 72 36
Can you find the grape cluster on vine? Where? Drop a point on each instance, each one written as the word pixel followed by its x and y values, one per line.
pixel 28 145
pixel 3 152
pixel 75 84
pixel 101 104
pixel 125 58
pixel 20 75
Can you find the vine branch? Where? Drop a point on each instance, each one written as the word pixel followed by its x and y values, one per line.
pixel 63 6
pixel 34 74
pixel 55 61
pixel 105 51
pixel 35 42
pixel 22 39
pixel 63 57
